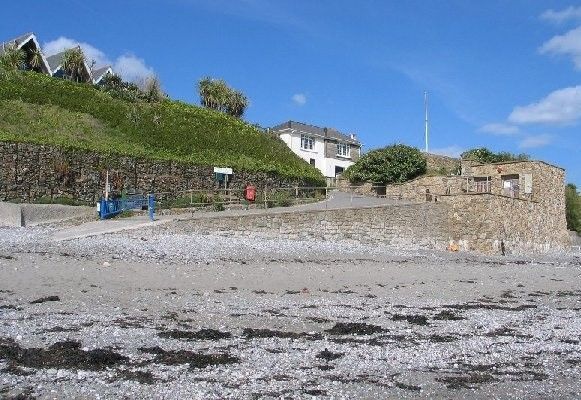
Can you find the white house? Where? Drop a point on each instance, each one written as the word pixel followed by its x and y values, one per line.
pixel 327 149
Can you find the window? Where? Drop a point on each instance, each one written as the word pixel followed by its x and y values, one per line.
pixel 510 185
pixel 339 170
pixel 307 142
pixel 482 184
pixel 343 150
pixel 312 162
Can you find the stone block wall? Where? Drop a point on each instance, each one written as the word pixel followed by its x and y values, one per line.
pixel 364 188
pixel 30 171
pixel 480 221
pixel 415 190
pixel 406 225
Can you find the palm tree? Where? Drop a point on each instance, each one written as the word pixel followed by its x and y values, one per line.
pixel 217 95
pixel 13 58
pixel 73 63
pixel 237 104
pixel 36 60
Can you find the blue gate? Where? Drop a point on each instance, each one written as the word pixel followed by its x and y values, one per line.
pixel 112 207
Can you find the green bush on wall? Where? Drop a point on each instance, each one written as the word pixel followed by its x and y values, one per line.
pixel 392 164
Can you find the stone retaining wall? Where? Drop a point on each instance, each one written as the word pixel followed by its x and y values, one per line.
pixel 29 172
pixel 409 225
pixel 473 222
pixel 415 190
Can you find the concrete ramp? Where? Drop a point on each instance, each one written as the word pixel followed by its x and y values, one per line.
pixel 35 214
pixel 102 227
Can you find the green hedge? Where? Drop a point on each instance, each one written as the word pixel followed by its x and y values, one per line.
pixel 32 104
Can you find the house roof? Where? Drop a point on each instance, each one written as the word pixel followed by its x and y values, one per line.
pixel 19 41
pixel 55 60
pixel 327 133
pixel 99 73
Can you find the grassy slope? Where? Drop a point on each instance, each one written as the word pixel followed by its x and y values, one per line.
pixel 39 109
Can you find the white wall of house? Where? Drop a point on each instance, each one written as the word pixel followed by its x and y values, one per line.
pixel 331 163
pixel 326 165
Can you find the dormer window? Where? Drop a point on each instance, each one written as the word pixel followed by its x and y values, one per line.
pixel 343 150
pixel 307 142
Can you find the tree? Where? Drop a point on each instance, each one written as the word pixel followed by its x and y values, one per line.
pixel 392 164
pixel 73 62
pixel 573 208
pixel 13 58
pixel 217 95
pixel 116 87
pixel 152 89
pixel 36 60
pixel 485 156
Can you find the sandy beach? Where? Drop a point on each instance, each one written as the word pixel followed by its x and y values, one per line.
pixel 159 314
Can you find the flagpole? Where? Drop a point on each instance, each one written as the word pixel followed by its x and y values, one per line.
pixel 426 118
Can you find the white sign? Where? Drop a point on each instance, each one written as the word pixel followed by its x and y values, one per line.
pixel 225 171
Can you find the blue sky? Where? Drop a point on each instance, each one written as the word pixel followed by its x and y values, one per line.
pixel 501 74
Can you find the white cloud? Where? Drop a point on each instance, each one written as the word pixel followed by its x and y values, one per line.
pixel 531 142
pixel 450 151
pixel 500 129
pixel 132 69
pixel 300 99
pixel 129 67
pixel 63 43
pixel 559 107
pixel 569 13
pixel 568 44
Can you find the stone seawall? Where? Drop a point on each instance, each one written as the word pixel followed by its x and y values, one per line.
pixel 29 172
pixel 472 222
pixel 409 225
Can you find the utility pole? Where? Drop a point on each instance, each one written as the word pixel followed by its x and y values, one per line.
pixel 426 118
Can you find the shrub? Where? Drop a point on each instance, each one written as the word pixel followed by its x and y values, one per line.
pixel 218 204
pixel 392 164
pixel 281 199
pixel 573 208
pixel 486 156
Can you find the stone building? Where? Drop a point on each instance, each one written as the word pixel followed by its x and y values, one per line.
pixel 520 204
